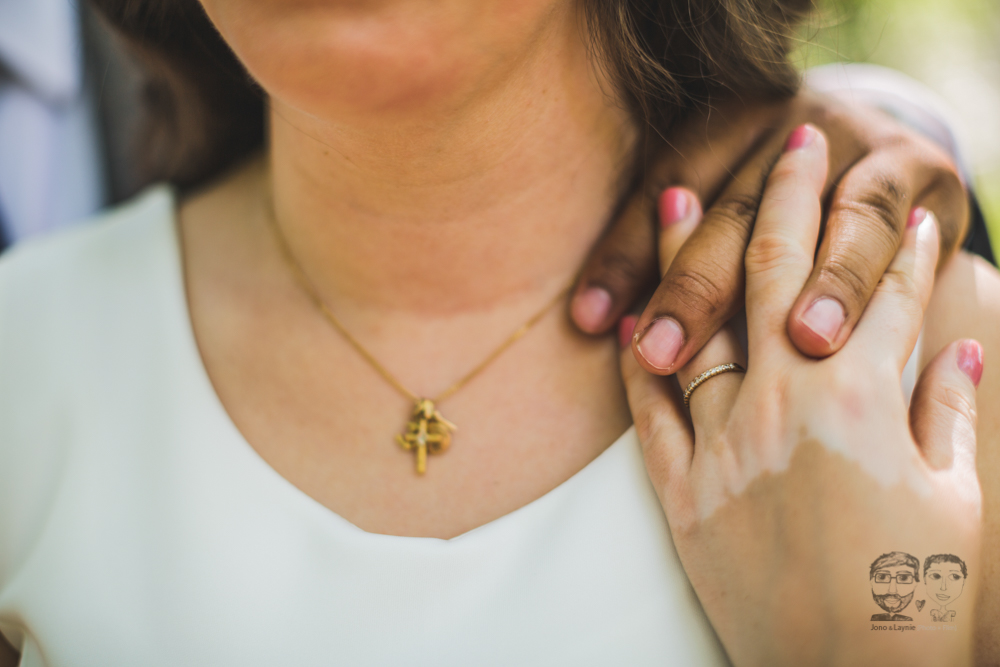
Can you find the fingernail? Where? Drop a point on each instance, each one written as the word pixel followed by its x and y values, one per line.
pixel 800 138
pixel 591 308
pixel 970 360
pixel 917 215
pixel 626 328
pixel 675 205
pixel 660 343
pixel 824 318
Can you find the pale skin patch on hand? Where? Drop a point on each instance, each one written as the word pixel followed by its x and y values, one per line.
pixel 797 538
pixel 888 466
pixel 885 457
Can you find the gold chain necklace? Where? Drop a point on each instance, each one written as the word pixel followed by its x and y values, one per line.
pixel 427 431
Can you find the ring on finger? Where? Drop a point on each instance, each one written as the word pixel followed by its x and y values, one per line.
pixel 707 375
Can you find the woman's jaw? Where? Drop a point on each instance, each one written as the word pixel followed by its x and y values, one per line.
pixel 434 156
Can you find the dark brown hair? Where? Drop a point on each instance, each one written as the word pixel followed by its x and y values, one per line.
pixel 666 57
pixel 945 558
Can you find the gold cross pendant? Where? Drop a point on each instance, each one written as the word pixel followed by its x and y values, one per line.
pixel 427 432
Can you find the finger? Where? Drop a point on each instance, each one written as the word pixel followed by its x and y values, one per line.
pixel 680 213
pixel 889 327
pixel 869 211
pixel 779 257
pixel 658 413
pixel 623 264
pixel 711 148
pixel 943 409
pixel 619 268
pixel 712 400
pixel 704 285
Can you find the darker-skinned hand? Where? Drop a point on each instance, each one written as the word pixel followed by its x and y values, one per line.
pixel 880 171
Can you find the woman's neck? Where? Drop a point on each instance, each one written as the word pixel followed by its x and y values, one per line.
pixel 494 195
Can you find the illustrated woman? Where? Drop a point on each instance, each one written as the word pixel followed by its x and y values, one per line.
pixel 200 396
pixel 944 577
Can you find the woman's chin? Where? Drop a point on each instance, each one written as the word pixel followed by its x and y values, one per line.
pixel 339 60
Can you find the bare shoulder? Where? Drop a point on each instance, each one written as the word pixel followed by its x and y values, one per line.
pixel 966 304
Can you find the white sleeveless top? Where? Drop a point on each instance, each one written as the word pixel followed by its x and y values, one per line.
pixel 138 528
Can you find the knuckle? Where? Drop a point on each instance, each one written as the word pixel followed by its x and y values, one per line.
pixel 737 210
pixel 645 425
pixel 853 282
pixel 841 381
pixel 884 202
pixel 698 291
pixel 852 391
pixel 904 291
pixel 890 190
pixel 900 284
pixel 783 171
pixel 957 401
pixel 770 251
pixel 650 421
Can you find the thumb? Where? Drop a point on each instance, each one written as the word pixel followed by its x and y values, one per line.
pixel 943 408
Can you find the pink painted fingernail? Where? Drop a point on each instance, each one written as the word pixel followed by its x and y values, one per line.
pixel 591 307
pixel 675 205
pixel 970 360
pixel 626 328
pixel 660 343
pixel 824 318
pixel 917 215
pixel 800 138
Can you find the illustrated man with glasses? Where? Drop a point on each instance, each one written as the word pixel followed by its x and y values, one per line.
pixel 894 577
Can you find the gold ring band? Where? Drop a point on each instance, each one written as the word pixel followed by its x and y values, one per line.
pixel 707 375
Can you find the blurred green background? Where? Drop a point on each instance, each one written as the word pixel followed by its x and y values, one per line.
pixel 953 46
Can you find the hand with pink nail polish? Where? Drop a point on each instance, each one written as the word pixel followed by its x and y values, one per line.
pixel 882 178
pixel 781 485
